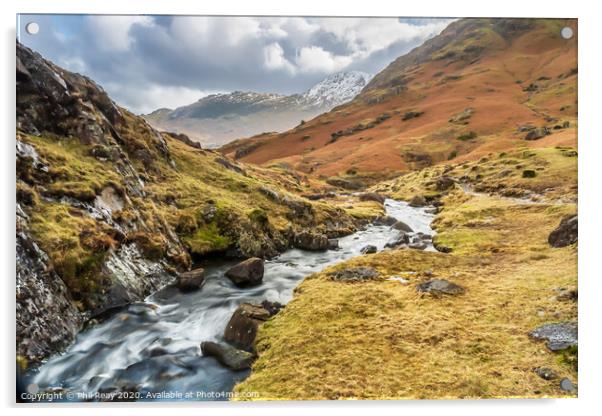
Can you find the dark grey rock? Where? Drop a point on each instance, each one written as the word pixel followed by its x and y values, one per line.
pixel 372 196
pixel 546 373
pixel 369 249
pixel 566 233
pixel 567 385
pixel 399 240
pixel 384 220
pixel 228 356
pixel 417 201
pixel 560 336
pixel 241 330
pixel 444 183
pixel 537 133
pixel 402 226
pixel 440 287
pixel 333 244
pixel 247 273
pixel 354 274
pixel 191 280
pixel 417 246
pixel 307 240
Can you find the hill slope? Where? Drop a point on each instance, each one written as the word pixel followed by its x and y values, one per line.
pixel 109 209
pixel 482 85
pixel 219 118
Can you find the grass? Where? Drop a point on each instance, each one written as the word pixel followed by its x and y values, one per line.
pixel 382 340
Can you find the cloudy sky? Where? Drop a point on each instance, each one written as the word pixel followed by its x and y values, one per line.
pixel 148 62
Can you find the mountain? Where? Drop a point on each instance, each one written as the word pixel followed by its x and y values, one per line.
pixel 481 85
pixel 219 118
pixel 110 210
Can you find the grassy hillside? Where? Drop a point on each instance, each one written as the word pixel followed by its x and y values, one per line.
pixel 474 89
pixel 381 339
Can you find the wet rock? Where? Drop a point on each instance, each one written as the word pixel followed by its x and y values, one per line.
pixel 432 210
pixel 354 274
pixel 333 244
pixel 417 201
pixel 307 240
pixel 559 336
pixel 191 280
pixel 384 220
pixel 369 249
pixel 567 385
pixel 440 287
pixel 444 183
pixel 247 273
pixel 417 246
pixel 372 196
pixel 241 330
pixel 272 307
pixel 402 226
pixel 566 233
pixel 228 356
pixel 537 133
pixel 400 239
pixel 546 373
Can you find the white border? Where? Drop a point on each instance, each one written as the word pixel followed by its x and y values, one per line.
pixel 590 149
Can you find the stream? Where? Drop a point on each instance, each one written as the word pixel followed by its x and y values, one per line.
pixel 152 348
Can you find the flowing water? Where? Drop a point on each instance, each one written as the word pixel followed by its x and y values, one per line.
pixel 152 347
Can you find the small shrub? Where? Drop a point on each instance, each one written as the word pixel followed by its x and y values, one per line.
pixel 467 136
pixel 529 173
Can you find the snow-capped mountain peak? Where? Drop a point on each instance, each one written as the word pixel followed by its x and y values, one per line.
pixel 336 89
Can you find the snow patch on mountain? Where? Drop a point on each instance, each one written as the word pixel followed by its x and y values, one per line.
pixel 336 89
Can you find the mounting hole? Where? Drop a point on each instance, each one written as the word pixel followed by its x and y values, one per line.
pixel 32 28
pixel 566 32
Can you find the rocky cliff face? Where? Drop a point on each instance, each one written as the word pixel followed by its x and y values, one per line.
pixel 109 209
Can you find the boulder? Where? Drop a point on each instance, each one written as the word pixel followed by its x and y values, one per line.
pixel 272 307
pixel 307 240
pixel 559 336
pixel 354 274
pixel 400 239
pixel 228 356
pixel 333 244
pixel 372 196
pixel 567 385
pixel 566 233
pixel 417 245
pixel 417 201
pixel 444 183
pixel 191 280
pixel 241 330
pixel 545 373
pixel 537 133
pixel 402 226
pixel 369 249
pixel 440 287
pixel 247 273
pixel 384 220
pixel 408 115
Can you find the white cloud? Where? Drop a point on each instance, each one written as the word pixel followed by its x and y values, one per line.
pixel 316 59
pixel 113 32
pixel 274 58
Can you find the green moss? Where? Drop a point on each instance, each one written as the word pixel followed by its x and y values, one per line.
pixel 206 240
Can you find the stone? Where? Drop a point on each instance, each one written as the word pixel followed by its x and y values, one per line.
pixel 546 373
pixel 417 246
pixel 537 133
pixel 559 336
pixel 566 233
pixel 372 196
pixel 417 201
pixel 247 273
pixel 440 287
pixel 402 226
pixel 384 220
pixel 441 248
pixel 444 183
pixel 567 295
pixel 354 274
pixel 228 356
pixel 307 240
pixel 333 244
pixel 401 239
pixel 369 249
pixel 191 280
pixel 567 385
pixel 408 115
pixel 241 329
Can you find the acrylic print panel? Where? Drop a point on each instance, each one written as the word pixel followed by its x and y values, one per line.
pixel 297 208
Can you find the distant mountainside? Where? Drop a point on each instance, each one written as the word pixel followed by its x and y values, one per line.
pixel 220 118
pixel 480 86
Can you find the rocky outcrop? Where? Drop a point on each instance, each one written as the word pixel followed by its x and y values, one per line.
pixel 566 233
pixel 559 336
pixel 397 241
pixel 402 226
pixel 247 273
pixel 307 240
pixel 227 355
pixel 439 287
pixel 418 201
pixel 537 133
pixel 369 249
pixel 354 275
pixel 372 196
